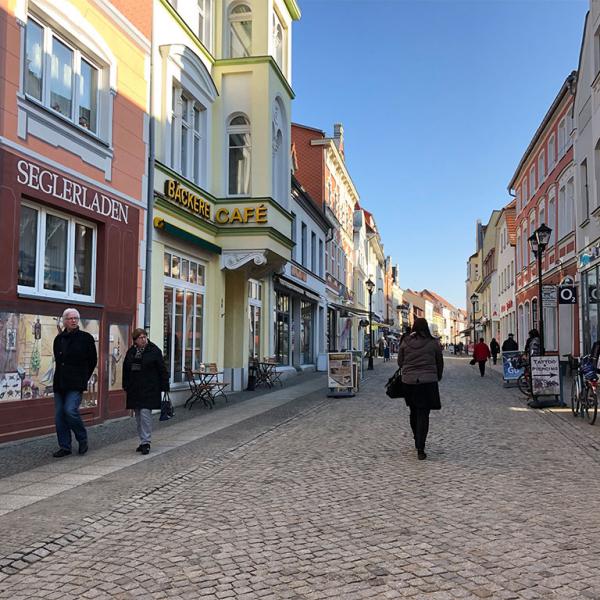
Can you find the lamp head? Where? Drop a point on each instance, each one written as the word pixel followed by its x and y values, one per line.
pixel 542 234
pixel 370 285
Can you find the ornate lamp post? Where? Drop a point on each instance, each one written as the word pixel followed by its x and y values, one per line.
pixel 538 241
pixel 474 299
pixel 370 287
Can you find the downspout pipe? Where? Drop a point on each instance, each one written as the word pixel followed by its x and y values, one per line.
pixel 150 191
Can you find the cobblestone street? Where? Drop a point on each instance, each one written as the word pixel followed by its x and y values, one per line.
pixel 320 498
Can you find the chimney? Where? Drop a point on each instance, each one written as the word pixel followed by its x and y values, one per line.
pixel 338 137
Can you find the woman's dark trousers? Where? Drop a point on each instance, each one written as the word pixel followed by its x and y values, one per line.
pixel 482 367
pixel 419 423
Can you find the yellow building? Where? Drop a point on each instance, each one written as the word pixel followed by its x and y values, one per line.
pixel 221 96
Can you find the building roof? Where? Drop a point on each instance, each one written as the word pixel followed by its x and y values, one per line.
pixel 439 299
pixel 510 215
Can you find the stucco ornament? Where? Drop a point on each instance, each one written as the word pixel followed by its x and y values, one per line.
pixel 276 129
pixel 234 260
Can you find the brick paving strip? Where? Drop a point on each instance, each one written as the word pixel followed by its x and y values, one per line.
pixel 319 499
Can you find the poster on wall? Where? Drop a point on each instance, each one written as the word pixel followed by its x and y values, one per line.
pixel 26 357
pixel 118 338
pixel 545 376
pixel 339 370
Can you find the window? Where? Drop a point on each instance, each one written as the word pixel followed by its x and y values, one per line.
pixel 562 138
pixel 205 13
pixel 542 217
pixel 320 258
pixel 552 217
pixel 303 244
pixel 551 153
pixel 519 263
pixel 534 313
pixel 188 139
pixel 57 254
pixel 585 197
pixel 254 318
pixel 60 76
pixel 183 295
pixel 239 156
pixel 532 182
pixel 306 318
pixel 278 41
pixel 550 328
pixel 294 236
pixel 565 209
pixel 531 230
pixel 541 170
pixel 240 31
pixel 313 252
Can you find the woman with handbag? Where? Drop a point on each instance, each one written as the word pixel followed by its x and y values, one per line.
pixel 420 358
pixel 145 377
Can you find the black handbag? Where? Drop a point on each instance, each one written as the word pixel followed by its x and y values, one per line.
pixel 472 361
pixel 166 408
pixel 394 387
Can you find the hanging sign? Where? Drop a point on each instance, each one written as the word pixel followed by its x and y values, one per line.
pixel 567 294
pixel 549 295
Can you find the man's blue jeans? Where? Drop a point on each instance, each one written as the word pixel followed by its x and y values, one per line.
pixel 67 418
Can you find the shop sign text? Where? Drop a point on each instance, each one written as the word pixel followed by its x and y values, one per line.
pixel 249 214
pixel 174 191
pixel 62 188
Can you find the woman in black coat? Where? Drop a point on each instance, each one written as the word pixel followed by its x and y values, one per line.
pixel 145 377
pixel 420 358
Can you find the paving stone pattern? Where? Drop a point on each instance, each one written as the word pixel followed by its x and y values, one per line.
pixel 328 500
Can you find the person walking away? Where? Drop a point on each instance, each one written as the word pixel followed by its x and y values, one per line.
pixel 422 365
pixel 533 346
pixel 495 350
pixel 145 377
pixel 75 358
pixel 509 344
pixel 386 351
pixel 481 353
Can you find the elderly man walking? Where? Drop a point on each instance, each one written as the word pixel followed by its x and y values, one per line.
pixel 75 360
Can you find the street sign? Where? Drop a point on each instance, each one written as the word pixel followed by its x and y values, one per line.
pixel 567 294
pixel 549 295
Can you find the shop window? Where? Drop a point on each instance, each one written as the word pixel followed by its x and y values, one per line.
pixel 254 318
pixel 57 254
pixel 550 329
pixel 282 328
pixel 239 156
pixel 60 76
pixel 183 335
pixel 240 31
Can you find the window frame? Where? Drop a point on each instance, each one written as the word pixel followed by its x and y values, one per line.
pixel 231 130
pixel 238 18
pixel 72 222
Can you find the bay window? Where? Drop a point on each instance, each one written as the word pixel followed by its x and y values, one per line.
pixel 57 254
pixel 239 156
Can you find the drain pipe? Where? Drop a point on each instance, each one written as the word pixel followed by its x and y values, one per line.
pixel 150 191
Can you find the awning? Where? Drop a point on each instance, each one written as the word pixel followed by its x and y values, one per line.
pixel 295 287
pixel 184 235
pixel 358 312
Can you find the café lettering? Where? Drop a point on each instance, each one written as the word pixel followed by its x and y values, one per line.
pixel 63 188
pixel 249 214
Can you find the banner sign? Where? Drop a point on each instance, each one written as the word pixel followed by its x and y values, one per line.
pixel 339 370
pixel 510 360
pixel 545 376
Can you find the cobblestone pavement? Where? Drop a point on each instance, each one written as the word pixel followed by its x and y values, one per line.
pixel 324 498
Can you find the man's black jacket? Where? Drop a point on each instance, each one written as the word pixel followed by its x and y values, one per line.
pixel 75 357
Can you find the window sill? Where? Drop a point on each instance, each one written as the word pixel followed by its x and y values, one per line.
pixel 37 120
pixel 58 299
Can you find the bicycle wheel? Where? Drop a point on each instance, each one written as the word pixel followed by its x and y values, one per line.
pixel 523 383
pixel 575 397
pixel 590 406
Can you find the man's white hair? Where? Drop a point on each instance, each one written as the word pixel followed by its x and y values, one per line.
pixel 70 310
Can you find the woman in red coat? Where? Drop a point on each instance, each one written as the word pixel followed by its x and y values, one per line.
pixel 481 353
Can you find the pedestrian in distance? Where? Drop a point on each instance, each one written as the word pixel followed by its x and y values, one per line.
pixel 145 377
pixel 495 350
pixel 422 365
pixel 481 353
pixel 509 344
pixel 75 359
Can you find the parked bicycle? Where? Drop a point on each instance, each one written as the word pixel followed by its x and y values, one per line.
pixel 584 389
pixel 524 380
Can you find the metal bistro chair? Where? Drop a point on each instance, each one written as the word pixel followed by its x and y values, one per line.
pixel 217 388
pixel 273 375
pixel 199 391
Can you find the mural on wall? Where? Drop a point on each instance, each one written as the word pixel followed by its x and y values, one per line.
pixel 118 345
pixel 26 358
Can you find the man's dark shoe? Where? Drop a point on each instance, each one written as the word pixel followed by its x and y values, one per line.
pixel 83 447
pixel 139 448
pixel 421 455
pixel 145 449
pixel 61 452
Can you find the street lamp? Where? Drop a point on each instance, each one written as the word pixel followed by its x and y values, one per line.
pixel 538 241
pixel 474 299
pixel 370 287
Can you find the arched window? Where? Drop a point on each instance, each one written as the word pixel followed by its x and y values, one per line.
pixel 240 148
pixel 551 222
pixel 280 158
pixel 240 31
pixel 278 41
pixel 551 153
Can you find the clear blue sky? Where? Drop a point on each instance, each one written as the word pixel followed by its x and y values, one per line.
pixel 439 100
